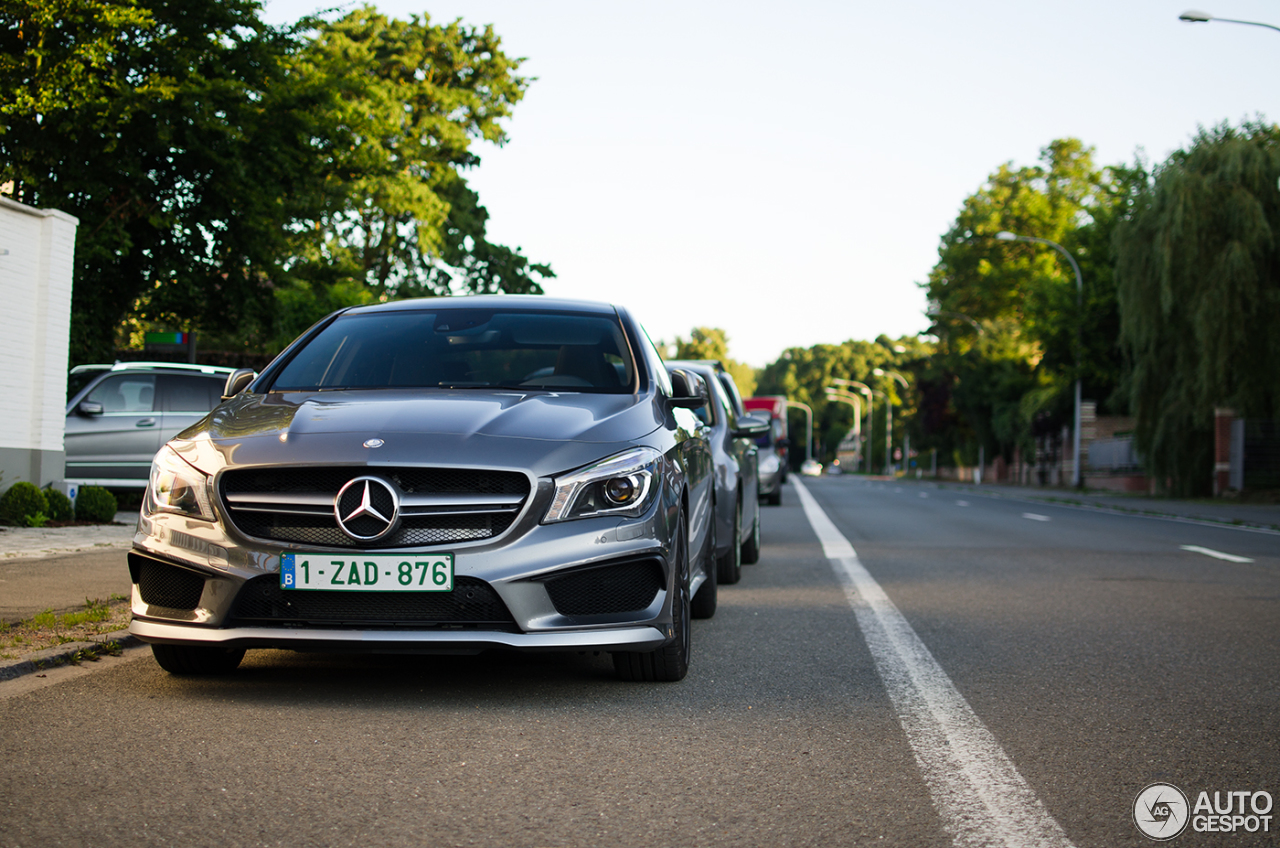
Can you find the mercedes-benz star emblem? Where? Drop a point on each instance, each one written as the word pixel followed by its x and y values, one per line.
pixel 367 509
pixel 374 443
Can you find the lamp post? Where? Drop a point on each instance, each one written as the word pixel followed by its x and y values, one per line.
pixel 888 431
pixel 840 396
pixel 871 425
pixel 1075 437
pixel 1191 16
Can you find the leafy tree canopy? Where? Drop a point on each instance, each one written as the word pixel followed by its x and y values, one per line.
pixel 1198 278
pixel 227 173
pixel 713 343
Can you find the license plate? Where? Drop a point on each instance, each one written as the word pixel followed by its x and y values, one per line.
pixel 368 573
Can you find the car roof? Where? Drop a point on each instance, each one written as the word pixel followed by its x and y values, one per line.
pixel 521 302
pixel 177 367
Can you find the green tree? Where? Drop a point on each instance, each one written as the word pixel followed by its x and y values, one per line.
pixel 713 343
pixel 220 168
pixel 1006 313
pixel 407 100
pixel 1199 290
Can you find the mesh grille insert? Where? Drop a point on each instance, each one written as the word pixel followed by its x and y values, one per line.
pixel 471 604
pixel 163 585
pixel 626 587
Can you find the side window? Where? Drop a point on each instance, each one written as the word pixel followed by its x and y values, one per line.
pixel 127 393
pixel 190 393
pixel 731 389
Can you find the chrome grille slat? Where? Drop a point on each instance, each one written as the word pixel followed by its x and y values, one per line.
pixel 438 506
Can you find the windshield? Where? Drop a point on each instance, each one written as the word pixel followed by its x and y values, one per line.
pixel 461 348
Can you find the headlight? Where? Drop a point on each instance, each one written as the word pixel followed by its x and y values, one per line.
pixel 770 464
pixel 625 485
pixel 175 486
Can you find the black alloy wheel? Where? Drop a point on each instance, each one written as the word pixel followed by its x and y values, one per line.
pixel 704 602
pixel 751 547
pixel 729 566
pixel 670 662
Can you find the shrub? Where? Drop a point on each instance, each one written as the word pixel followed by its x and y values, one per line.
pixel 22 501
pixel 95 503
pixel 60 508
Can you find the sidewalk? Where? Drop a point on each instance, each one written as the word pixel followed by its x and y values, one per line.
pixel 27 542
pixel 1217 511
pixel 23 548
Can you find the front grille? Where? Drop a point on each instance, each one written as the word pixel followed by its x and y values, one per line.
pixel 471 605
pixel 439 506
pixel 164 585
pixel 624 587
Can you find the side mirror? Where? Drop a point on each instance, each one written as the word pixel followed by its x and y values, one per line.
pixel 687 390
pixel 237 381
pixel 89 408
pixel 749 426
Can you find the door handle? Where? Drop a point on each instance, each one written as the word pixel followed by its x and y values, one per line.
pixel 146 422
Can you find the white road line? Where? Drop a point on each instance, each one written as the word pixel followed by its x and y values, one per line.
pixel 1035 517
pixel 978 792
pixel 1215 554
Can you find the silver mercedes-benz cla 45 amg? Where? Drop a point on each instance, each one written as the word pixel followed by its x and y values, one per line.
pixel 445 475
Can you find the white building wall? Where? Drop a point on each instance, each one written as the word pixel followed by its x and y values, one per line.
pixel 37 250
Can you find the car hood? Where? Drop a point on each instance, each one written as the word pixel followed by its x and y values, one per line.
pixel 543 432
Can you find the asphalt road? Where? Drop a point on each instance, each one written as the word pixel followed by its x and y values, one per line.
pixel 961 670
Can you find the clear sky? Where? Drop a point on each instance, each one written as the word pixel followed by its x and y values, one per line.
pixel 785 170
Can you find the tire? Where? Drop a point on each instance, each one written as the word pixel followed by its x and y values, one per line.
pixel 751 548
pixel 775 497
pixel 729 566
pixel 197 659
pixel 670 662
pixel 704 603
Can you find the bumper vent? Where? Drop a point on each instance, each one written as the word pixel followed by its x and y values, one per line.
pixel 164 585
pixel 471 605
pixel 624 587
pixel 438 506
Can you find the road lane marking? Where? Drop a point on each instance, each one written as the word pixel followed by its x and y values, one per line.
pixel 962 503
pixel 978 792
pixel 1215 554
pixel 1035 516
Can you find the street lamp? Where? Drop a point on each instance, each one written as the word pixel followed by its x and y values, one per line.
pixel 865 390
pixel 841 396
pixel 888 432
pixel 1191 16
pixel 1075 438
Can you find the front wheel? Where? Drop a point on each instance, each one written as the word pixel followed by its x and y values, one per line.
pixel 729 566
pixel 751 547
pixel 197 659
pixel 670 662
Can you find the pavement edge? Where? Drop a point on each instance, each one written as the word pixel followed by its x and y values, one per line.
pixel 64 655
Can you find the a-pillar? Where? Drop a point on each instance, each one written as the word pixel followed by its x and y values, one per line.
pixel 1222 418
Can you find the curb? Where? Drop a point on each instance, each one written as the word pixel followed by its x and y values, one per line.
pixel 63 655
